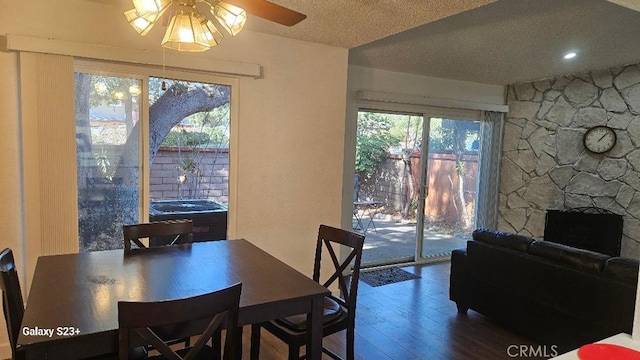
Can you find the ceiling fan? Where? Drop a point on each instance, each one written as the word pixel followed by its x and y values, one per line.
pixel 270 11
pixel 190 30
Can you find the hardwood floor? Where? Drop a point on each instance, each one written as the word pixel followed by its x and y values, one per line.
pixel 414 320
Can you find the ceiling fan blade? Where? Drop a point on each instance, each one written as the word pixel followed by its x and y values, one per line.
pixel 269 11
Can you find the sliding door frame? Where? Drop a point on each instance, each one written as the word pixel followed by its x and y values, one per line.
pixel 144 73
pixel 427 112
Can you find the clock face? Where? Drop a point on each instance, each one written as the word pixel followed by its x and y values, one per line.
pixel 599 139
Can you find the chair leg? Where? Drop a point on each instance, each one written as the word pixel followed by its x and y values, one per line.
pixel 216 342
pixel 294 352
pixel 255 342
pixel 350 343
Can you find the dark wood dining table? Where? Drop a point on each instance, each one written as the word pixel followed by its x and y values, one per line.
pixel 72 312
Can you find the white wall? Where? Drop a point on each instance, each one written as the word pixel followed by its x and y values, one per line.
pixel 294 114
pixel 363 78
pixel 10 196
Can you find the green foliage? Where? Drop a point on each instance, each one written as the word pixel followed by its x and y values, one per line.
pixel 441 138
pixel 185 138
pixel 407 128
pixel 215 123
pixel 373 140
pixel 112 90
pixel 104 164
pixel 188 165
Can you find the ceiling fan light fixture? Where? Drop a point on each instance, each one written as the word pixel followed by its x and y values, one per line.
pixel 190 30
pixel 142 24
pixel 186 32
pixel 212 35
pixel 144 6
pixel 231 17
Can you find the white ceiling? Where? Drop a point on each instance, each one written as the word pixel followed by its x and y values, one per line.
pixel 349 23
pixel 487 41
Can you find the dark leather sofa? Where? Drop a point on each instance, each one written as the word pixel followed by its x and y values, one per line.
pixel 551 293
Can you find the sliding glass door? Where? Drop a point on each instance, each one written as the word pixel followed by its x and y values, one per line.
pixel 386 184
pixel 447 198
pixel 150 149
pixel 415 184
pixel 109 162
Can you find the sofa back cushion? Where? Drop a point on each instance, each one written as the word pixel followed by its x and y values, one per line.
pixel 578 258
pixel 510 241
pixel 623 269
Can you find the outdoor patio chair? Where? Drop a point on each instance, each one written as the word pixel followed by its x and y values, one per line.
pixel 339 311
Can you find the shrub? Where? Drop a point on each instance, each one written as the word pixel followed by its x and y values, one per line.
pixel 185 138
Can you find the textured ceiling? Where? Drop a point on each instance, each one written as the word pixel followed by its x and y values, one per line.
pixel 512 41
pixel 495 42
pixel 349 23
pixel 487 41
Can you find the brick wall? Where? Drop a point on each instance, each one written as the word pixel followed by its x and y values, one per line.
pixel 209 179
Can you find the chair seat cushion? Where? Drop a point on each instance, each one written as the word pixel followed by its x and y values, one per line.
pixel 137 353
pixel 205 353
pixel 332 311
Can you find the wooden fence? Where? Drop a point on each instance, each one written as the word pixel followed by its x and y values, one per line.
pixel 390 185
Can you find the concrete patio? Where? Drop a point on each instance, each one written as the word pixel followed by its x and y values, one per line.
pixel 391 240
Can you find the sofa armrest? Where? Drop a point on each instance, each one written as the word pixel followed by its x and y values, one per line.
pixel 459 281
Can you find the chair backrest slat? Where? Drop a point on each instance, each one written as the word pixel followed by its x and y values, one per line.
pixel 146 322
pixel 181 229
pixel 327 238
pixel 12 301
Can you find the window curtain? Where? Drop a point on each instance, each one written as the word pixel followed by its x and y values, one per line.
pixel 492 126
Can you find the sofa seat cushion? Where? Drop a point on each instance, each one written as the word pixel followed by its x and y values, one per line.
pixel 623 269
pixel 510 241
pixel 578 258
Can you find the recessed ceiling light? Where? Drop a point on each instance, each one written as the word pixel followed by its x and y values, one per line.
pixel 570 55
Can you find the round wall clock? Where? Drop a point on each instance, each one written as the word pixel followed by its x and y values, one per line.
pixel 599 139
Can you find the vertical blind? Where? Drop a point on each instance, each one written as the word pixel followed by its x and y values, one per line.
pixel 48 151
pixel 492 126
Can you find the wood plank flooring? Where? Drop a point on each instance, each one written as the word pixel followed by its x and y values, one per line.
pixel 413 320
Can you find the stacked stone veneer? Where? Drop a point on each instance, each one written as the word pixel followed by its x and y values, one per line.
pixel 544 163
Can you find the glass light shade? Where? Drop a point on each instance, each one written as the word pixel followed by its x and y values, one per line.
pixel 134 90
pixel 141 23
pixel 212 35
pixel 186 32
pixel 145 6
pixel 231 17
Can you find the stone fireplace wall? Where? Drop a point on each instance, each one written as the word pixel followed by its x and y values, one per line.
pixel 544 163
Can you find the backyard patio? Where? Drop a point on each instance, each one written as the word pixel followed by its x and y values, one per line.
pixel 391 239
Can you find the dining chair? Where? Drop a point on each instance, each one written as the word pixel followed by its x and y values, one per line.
pixel 339 311
pixel 180 230
pixel 151 323
pixel 12 302
pixel 13 307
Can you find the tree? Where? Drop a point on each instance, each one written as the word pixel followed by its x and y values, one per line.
pixel 460 133
pixel 170 107
pixel 373 140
